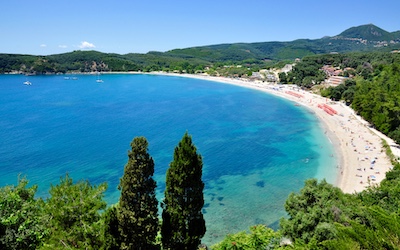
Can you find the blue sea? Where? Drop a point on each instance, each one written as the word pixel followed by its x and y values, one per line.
pixel 257 148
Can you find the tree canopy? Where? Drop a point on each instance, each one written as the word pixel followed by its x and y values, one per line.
pixel 183 224
pixel 75 221
pixel 138 206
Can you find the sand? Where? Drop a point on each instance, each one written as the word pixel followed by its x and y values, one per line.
pixel 362 159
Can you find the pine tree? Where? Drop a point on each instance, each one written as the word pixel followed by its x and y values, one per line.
pixel 138 220
pixel 183 223
pixel 75 214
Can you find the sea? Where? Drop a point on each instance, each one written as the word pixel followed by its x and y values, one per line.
pixel 257 148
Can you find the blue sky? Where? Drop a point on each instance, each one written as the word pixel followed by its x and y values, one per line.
pixel 43 27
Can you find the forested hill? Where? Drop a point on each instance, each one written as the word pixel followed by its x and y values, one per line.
pixel 361 38
pixel 370 33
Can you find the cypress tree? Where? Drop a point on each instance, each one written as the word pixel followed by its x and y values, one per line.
pixel 138 220
pixel 183 223
pixel 111 229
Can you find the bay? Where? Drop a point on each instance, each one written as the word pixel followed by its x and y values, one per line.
pixel 256 147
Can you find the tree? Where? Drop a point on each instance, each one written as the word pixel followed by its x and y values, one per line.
pixel 260 237
pixel 138 220
pixel 111 234
pixel 75 219
pixel 313 211
pixel 183 224
pixel 22 221
pixel 282 77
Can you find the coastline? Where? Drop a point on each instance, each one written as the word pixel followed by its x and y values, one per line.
pixel 361 157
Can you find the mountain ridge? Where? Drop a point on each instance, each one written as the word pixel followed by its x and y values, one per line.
pixel 369 32
pixel 359 38
pixel 364 38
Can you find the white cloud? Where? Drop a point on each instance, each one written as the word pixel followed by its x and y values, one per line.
pixel 86 45
pixel 43 45
pixel 62 46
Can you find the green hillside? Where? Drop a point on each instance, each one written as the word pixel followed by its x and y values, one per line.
pixel 362 38
pixel 368 32
pixel 344 42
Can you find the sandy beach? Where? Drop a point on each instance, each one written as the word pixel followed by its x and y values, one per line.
pixel 363 161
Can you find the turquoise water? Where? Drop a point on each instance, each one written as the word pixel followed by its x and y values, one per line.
pixel 256 148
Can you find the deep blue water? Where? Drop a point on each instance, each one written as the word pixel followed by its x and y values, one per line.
pixel 256 148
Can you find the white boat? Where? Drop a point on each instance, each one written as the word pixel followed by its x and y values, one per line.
pixel 98 78
pixel 27 83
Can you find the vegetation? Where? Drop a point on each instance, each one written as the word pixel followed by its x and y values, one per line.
pixel 138 220
pixel 374 90
pixel 319 216
pixel 260 237
pixel 22 217
pixel 75 220
pixel 365 38
pixel 183 224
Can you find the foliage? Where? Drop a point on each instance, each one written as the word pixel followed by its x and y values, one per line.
pixel 306 73
pixel 74 215
pixel 368 32
pixel 260 237
pixel 378 101
pixel 295 49
pixel 111 235
pixel 22 221
pixel 190 60
pixel 344 91
pixel 282 77
pixel 364 65
pixel 382 232
pixel 138 221
pixel 313 211
pixel 183 224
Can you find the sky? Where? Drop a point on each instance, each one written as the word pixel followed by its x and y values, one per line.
pixel 44 27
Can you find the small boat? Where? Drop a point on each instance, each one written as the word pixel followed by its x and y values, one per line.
pixel 27 83
pixel 98 78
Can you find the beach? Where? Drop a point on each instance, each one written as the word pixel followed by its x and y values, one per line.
pixel 362 158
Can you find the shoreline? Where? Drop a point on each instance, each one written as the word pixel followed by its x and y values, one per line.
pixel 360 154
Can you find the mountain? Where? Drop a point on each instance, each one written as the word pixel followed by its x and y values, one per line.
pixel 362 38
pixel 368 32
pixel 396 35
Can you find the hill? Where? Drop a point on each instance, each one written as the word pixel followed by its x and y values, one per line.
pixel 368 32
pixel 362 38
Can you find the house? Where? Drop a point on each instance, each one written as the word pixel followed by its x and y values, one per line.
pixel 335 80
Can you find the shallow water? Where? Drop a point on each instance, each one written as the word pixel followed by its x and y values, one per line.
pixel 256 148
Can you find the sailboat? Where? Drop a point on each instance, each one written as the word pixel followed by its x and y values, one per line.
pixel 27 82
pixel 98 78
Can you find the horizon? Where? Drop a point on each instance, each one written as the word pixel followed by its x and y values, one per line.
pixel 47 28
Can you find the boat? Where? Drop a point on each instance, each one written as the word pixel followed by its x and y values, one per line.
pixel 98 78
pixel 27 83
